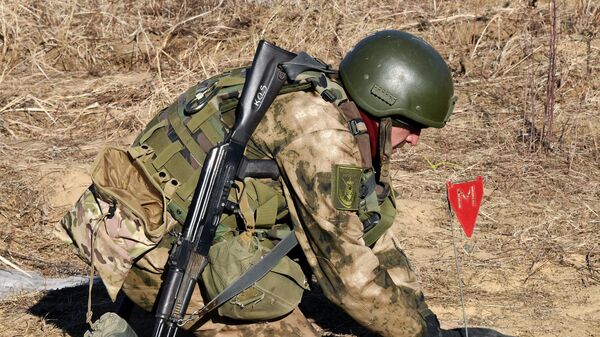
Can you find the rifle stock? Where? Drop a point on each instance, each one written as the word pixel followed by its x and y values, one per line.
pixel 189 255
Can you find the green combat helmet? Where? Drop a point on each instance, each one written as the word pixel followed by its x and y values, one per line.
pixel 396 74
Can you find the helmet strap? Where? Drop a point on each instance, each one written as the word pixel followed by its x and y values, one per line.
pixel 373 130
pixel 380 138
pixel 385 149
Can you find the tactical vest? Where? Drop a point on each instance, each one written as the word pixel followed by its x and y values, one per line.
pixel 174 144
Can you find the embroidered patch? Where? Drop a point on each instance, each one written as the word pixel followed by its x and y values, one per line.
pixel 346 184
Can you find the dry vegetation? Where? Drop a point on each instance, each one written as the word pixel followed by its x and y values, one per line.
pixel 78 75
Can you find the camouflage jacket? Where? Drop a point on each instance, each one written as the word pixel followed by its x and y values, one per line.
pixel 311 142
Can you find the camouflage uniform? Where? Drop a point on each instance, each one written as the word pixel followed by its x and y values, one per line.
pixel 375 285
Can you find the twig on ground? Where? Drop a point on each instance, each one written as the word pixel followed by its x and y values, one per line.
pixel 12 265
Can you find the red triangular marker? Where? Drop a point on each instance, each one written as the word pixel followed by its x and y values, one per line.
pixel 465 198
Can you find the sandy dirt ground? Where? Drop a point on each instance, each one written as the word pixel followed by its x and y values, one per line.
pixel 77 77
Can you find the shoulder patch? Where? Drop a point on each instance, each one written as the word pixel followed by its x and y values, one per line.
pixel 346 184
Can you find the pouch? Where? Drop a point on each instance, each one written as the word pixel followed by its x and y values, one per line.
pixel 273 296
pixel 117 219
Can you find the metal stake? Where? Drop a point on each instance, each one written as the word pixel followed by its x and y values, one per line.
pixel 458 276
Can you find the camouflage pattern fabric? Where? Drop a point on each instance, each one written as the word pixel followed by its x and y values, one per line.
pixel 117 220
pixel 376 286
pixel 308 137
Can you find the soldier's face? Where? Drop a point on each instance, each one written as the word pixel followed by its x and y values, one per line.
pixel 402 135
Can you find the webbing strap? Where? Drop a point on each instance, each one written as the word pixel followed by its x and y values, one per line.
pixel 138 152
pixel 144 137
pixel 234 79
pixel 169 189
pixel 185 190
pixel 375 218
pixel 387 215
pixel 161 176
pixel 184 135
pixel 329 90
pixel 200 117
pixel 352 116
pixel 357 127
pixel 368 200
pixel 294 87
pixel 385 153
pixel 213 130
pixel 166 154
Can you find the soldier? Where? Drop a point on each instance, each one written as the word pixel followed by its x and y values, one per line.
pixel 333 147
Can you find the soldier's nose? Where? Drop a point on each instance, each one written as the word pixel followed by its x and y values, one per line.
pixel 413 139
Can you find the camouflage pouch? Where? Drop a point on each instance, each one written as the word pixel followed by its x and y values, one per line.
pixel 119 218
pixel 273 296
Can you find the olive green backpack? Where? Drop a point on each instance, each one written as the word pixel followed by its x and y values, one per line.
pixel 141 194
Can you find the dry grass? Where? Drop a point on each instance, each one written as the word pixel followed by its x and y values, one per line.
pixel 75 77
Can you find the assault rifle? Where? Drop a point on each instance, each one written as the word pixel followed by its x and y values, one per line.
pixel 271 69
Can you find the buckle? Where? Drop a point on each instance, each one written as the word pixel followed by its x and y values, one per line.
pixel 357 127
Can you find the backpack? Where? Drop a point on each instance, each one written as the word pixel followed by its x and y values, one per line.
pixel 141 194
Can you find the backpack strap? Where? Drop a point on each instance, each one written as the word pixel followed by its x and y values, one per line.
pixel 358 128
pixel 375 208
pixel 330 90
pixel 174 144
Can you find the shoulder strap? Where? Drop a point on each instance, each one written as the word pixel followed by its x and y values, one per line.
pixel 358 128
pixel 376 217
pixel 330 90
pixel 333 92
